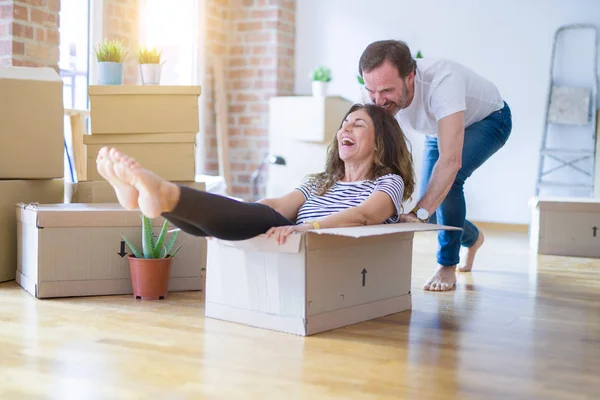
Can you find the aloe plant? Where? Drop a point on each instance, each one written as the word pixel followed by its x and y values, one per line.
pixel 151 248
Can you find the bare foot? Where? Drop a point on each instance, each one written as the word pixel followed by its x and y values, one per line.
pixel 155 195
pixel 471 251
pixel 126 194
pixel 443 279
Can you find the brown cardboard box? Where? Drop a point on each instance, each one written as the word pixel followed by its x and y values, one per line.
pixel 11 193
pixel 317 281
pixel 170 155
pixel 103 192
pixel 77 250
pixel 31 123
pixel 139 109
pixel 565 226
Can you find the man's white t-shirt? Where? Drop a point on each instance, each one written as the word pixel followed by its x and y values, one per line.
pixel 443 87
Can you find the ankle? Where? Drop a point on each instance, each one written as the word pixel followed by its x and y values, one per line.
pixel 170 194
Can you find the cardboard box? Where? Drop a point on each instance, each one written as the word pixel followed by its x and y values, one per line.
pixel 31 123
pixel 170 155
pixel 103 192
pixel 288 117
pixel 565 226
pixel 139 109
pixel 11 193
pixel 317 281
pixel 77 250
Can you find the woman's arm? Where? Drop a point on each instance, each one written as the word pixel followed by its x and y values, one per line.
pixel 287 205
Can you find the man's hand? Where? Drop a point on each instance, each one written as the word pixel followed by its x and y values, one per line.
pixel 280 233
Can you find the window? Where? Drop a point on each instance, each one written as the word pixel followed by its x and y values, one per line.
pixel 74 52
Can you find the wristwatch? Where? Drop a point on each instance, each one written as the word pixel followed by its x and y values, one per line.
pixel 421 213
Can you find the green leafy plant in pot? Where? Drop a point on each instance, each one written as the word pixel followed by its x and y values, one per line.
pixel 321 76
pixel 151 268
pixel 150 65
pixel 110 55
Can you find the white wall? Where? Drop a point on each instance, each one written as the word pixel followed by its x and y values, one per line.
pixel 508 42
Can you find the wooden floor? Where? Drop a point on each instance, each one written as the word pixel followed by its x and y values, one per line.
pixel 519 327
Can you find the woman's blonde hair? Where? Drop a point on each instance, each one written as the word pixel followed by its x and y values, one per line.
pixel 392 155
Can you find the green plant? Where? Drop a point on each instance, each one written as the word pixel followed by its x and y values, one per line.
pixel 110 50
pixel 321 74
pixel 360 79
pixel 151 248
pixel 419 55
pixel 149 56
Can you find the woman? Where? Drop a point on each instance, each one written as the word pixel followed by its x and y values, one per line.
pixel 369 173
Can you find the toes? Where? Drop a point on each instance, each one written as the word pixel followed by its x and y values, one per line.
pixel 443 286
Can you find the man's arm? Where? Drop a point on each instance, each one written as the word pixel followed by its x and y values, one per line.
pixel 451 132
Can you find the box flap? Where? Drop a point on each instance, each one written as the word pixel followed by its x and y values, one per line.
pixel 29 73
pixel 80 215
pixel 574 204
pixel 110 90
pixel 262 243
pixel 382 229
pixel 140 138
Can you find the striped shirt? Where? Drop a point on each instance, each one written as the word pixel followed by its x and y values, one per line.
pixel 344 195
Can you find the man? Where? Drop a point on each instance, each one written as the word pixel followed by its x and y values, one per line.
pixel 464 120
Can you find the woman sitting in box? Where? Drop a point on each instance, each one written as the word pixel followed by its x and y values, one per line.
pixel 369 173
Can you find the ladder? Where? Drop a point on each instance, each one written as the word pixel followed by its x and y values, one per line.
pixel 569 105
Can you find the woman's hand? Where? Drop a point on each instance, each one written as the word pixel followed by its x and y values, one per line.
pixel 279 233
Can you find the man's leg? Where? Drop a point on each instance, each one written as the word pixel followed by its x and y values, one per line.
pixel 481 141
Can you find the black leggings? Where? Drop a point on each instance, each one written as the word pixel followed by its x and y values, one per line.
pixel 206 214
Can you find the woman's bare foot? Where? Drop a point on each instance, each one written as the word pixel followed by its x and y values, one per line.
pixel 126 194
pixel 471 251
pixel 443 279
pixel 154 194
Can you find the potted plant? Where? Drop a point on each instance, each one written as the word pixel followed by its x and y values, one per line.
pixel 321 76
pixel 151 268
pixel 110 55
pixel 150 65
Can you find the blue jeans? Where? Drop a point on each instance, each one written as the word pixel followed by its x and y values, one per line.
pixel 481 141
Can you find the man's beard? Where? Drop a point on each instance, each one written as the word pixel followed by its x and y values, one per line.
pixel 393 107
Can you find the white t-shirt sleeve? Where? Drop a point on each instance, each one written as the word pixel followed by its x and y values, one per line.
pixel 448 95
pixel 393 185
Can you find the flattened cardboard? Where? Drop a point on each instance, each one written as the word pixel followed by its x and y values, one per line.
pixel 137 109
pixel 67 250
pixel 565 226
pixel 170 155
pixel 31 123
pixel 317 281
pixel 12 193
pixel 102 192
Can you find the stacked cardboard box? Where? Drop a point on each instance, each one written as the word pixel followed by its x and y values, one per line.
pixel 31 154
pixel 156 125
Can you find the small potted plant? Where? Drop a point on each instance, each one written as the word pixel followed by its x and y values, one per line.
pixel 151 268
pixel 110 55
pixel 150 65
pixel 321 76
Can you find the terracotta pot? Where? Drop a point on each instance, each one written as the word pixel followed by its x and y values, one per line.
pixel 150 277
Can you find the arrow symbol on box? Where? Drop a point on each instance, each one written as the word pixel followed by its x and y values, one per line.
pixel 122 253
pixel 595 230
pixel 364 276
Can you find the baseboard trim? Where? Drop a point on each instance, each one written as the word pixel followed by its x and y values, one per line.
pixel 499 226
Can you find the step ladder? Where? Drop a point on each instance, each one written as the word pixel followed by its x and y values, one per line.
pixel 574 106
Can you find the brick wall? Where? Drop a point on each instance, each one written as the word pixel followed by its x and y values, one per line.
pixel 260 65
pixel 29 33
pixel 121 22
